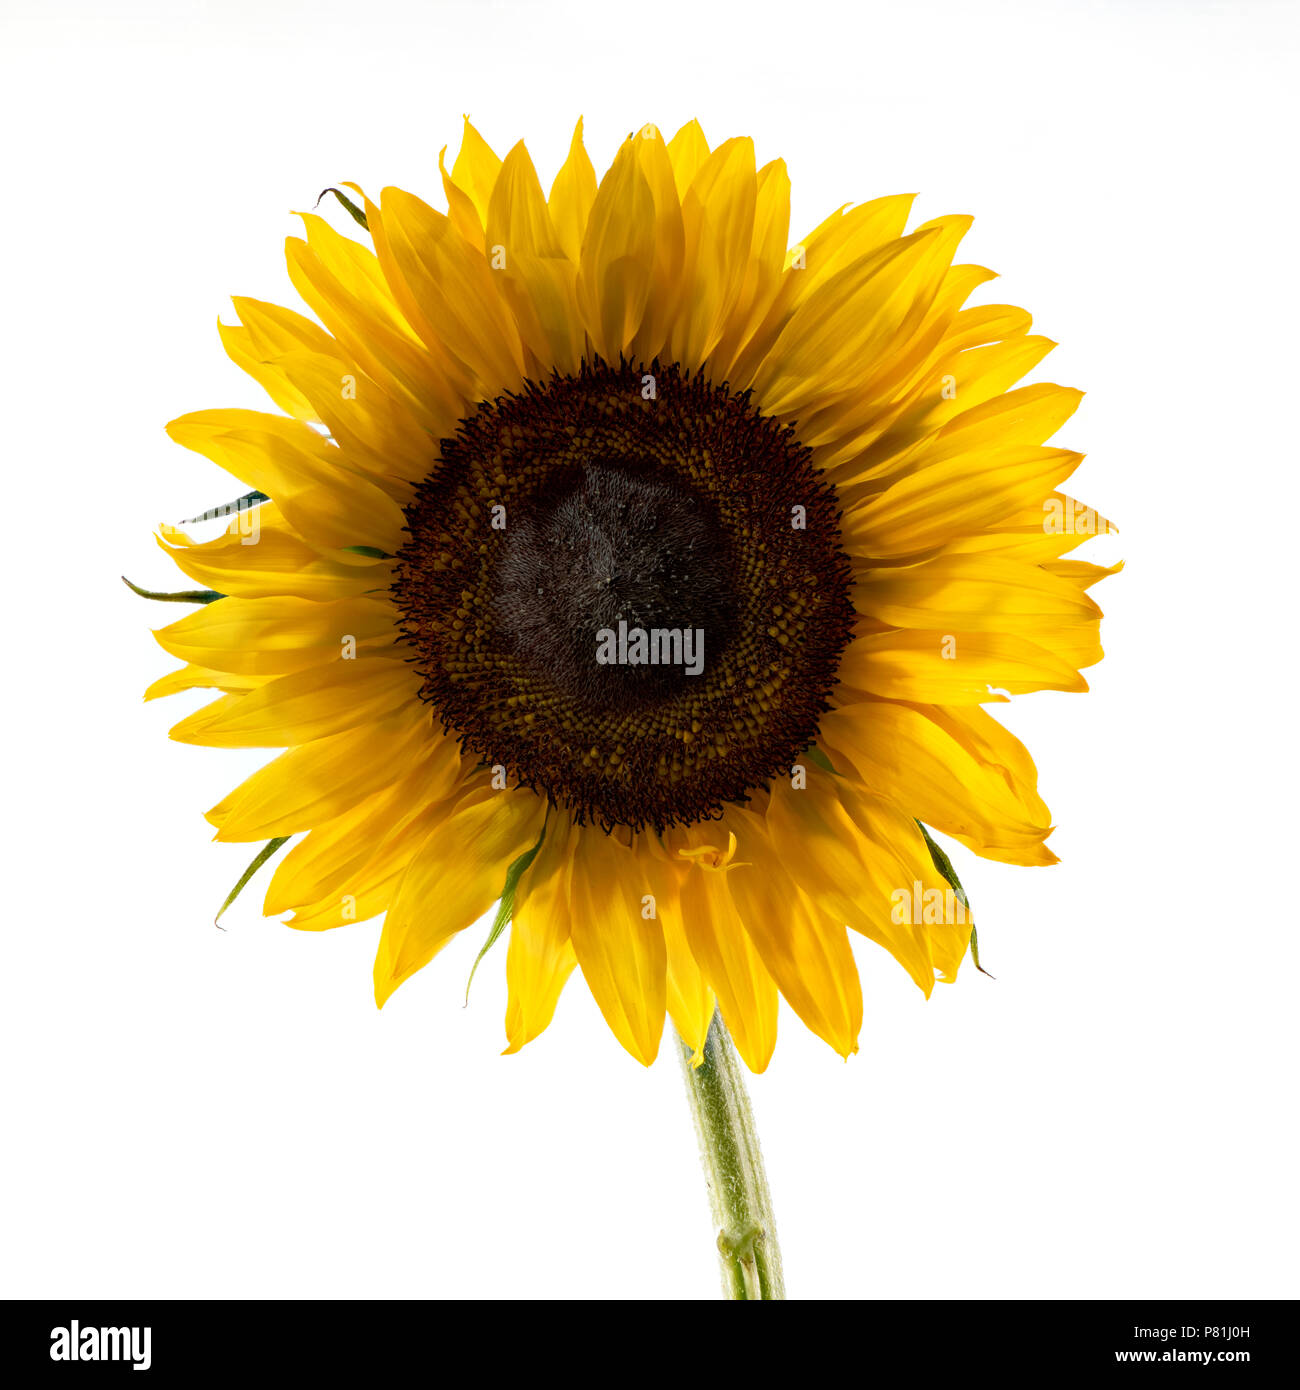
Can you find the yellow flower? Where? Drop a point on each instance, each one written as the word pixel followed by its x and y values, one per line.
pixel 627 562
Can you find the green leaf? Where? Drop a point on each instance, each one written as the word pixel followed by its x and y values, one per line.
pixel 818 758
pixel 944 865
pixel 267 850
pixel 372 550
pixel 358 215
pixel 181 596
pixel 249 499
pixel 507 905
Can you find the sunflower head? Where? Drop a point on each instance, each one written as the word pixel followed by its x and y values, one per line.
pixel 610 556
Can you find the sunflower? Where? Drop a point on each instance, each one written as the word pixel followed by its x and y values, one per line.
pixel 611 558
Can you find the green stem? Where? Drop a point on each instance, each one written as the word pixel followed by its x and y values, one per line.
pixel 733 1168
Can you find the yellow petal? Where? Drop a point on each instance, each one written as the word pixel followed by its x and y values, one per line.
pixel 912 755
pixel 345 286
pixel 618 250
pixel 376 431
pixel 765 263
pixel 846 422
pixel 955 497
pixel 856 853
pixel 1082 573
pixel 687 150
pixel 347 909
pixel 259 555
pixel 310 704
pixel 317 492
pixel 540 958
pixel 572 195
pixel 841 241
pixel 972 593
pixel 454 877
pixel 200 678
pixel 365 845
pixel 321 780
pixel 1039 533
pixel 621 951
pixel 718 214
pixel 943 669
pixel 835 335
pixel 1028 416
pixel 668 287
pixel 747 994
pixel 266 333
pixel 460 206
pixel 537 279
pixel 517 214
pixel 452 286
pixel 689 999
pixel 968 377
pixel 476 169
pixel 804 950
pixel 278 635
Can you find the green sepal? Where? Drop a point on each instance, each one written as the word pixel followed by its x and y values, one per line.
pixel 975 951
pixel 181 596
pixel 944 866
pixel 358 214
pixel 507 905
pixel 249 499
pixel 819 759
pixel 263 854
pixel 372 550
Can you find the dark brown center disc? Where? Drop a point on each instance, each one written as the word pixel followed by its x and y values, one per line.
pixel 626 587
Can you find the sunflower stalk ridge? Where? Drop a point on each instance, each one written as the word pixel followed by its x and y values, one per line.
pixel 748 1252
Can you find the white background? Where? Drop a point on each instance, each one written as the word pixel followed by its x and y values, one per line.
pixel 193 1113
